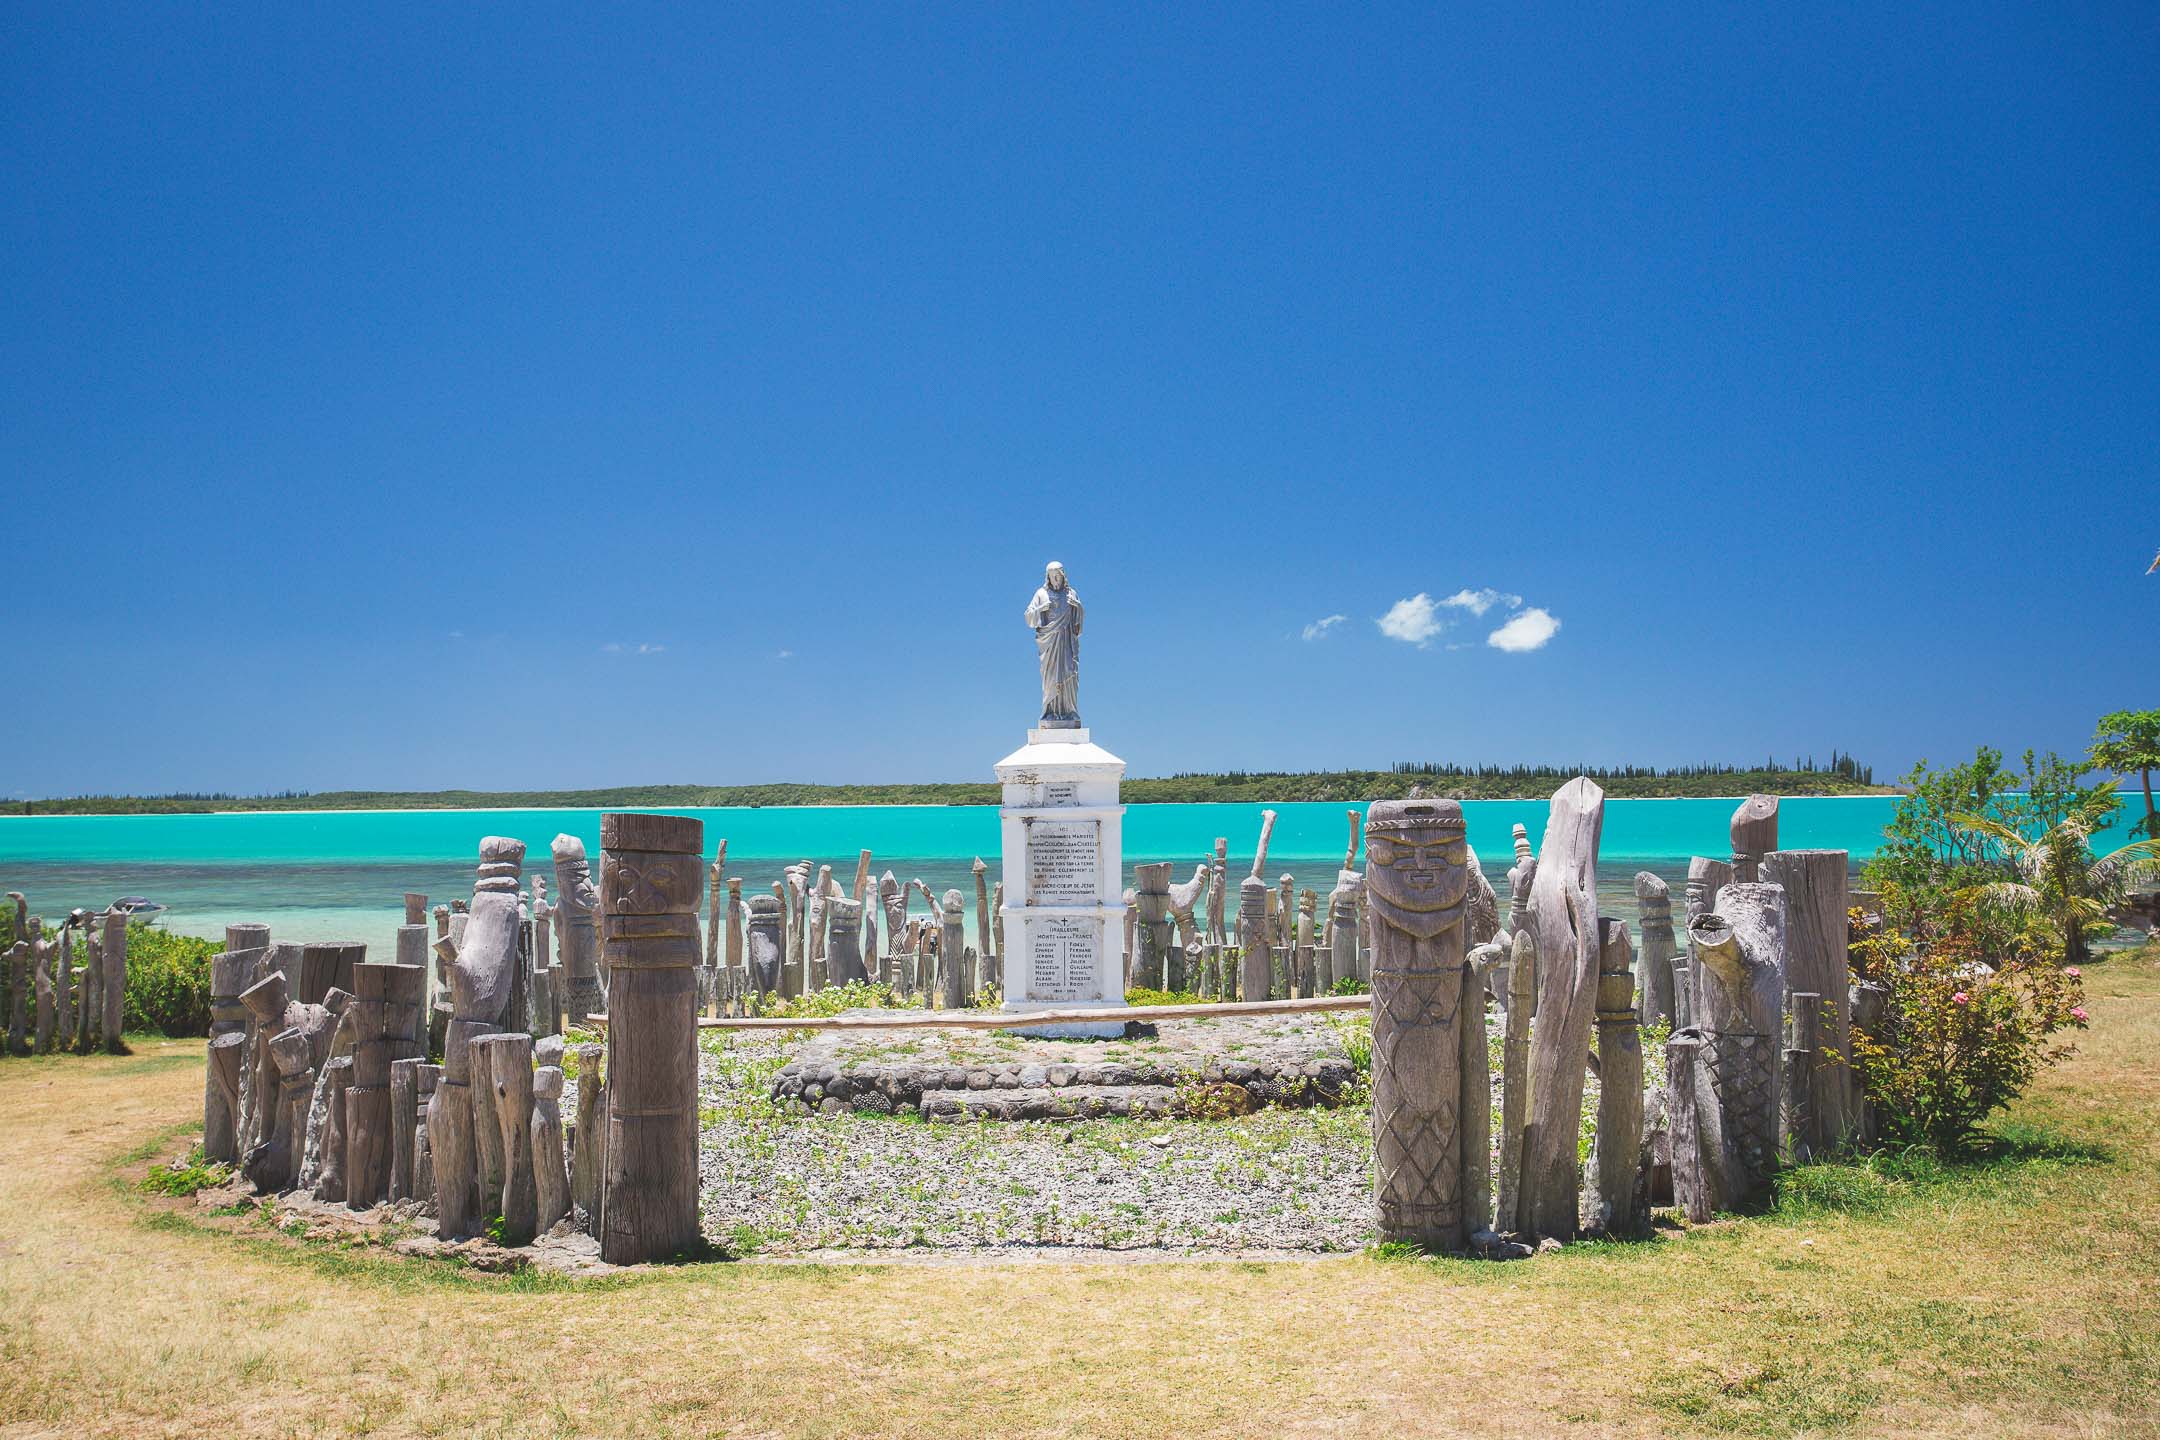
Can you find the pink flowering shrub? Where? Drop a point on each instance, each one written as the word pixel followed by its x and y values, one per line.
pixel 1955 1044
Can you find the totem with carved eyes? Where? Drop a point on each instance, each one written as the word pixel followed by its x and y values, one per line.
pixel 1431 1088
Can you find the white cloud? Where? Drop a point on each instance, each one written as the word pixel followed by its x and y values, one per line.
pixel 617 647
pixel 1477 602
pixel 1528 630
pixel 1318 630
pixel 613 647
pixel 1412 621
pixel 785 655
pixel 644 649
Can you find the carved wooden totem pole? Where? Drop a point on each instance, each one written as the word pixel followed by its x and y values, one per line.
pixel 767 953
pixel 480 980
pixel 843 946
pixel 650 881
pixel 1754 835
pixel 576 903
pixel 1429 1102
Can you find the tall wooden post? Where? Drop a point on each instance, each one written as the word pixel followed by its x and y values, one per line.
pixel 952 948
pixel 576 901
pixel 327 965
pixel 588 1146
pixel 510 1068
pixel 738 978
pixel 1515 1078
pixel 229 975
pixel 1252 933
pixel 1564 916
pixel 480 979
pixel 1817 895
pixel 1739 1012
pixel 843 941
pixel 650 884
pixel 1620 1084
pixel 1653 900
pixel 1519 875
pixel 1151 902
pixel 993 973
pixel 1754 835
pixel 386 997
pixel 551 1173
pixel 1308 909
pixel 1417 884
pixel 767 956
pixel 115 926
pixel 1690 1167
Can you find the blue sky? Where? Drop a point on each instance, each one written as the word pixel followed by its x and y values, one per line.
pixel 433 398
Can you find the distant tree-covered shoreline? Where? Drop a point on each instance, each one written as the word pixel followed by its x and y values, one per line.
pixel 1236 787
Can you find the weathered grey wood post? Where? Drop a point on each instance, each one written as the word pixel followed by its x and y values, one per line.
pixel 892 900
pixel 1705 877
pixel 1817 895
pixel 1308 908
pixel 1418 881
pixel 1151 900
pixel 334 1084
pixel 1252 936
pixel 1739 1010
pixel 819 970
pixel 1130 940
pixel 25 958
pixel 1564 916
pixel 480 980
pixel 551 1175
pixel 20 984
pixel 1622 1200
pixel 1484 918
pixel 997 924
pixel 993 974
pixel 1519 875
pixel 63 990
pixel 509 1066
pixel 386 997
pixel 1754 835
pixel 412 953
pixel 404 1124
pixel 266 1002
pixel 1515 1078
pixel 114 924
pixel 952 945
pixel 650 883
pixel 1343 903
pixel 415 908
pixel 327 965
pixel 1220 983
pixel 546 997
pixel 270 1166
pixel 423 1171
pixel 1183 899
pixel 588 1146
pixel 1653 899
pixel 716 899
pixel 738 977
pixel 576 901
pixel 1799 1130
pixel 1683 1112
pixel 791 971
pixel 843 943
pixel 767 946
pixel 90 993
pixel 230 972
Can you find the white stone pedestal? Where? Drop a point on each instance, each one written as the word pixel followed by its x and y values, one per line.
pixel 1064 857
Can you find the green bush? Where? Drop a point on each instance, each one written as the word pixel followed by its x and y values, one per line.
pixel 1968 1020
pixel 168 982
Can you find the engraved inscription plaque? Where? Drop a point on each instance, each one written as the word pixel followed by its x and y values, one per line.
pixel 1062 863
pixel 1063 956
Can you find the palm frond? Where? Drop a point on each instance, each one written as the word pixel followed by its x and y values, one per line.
pixel 2008 894
pixel 1989 826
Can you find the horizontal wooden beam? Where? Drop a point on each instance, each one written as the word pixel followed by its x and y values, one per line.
pixel 1029 1019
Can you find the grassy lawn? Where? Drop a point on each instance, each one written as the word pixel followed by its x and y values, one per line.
pixel 2019 1295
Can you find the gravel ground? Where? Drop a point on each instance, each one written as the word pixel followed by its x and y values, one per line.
pixel 1279 1180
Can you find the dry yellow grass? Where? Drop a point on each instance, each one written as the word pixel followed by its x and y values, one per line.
pixel 2021 1297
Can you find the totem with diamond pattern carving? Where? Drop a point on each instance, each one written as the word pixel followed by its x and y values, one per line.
pixel 1430 1086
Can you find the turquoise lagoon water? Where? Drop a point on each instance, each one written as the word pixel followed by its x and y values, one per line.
pixel 341 874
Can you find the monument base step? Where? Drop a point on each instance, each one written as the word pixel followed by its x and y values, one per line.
pixel 1071 1102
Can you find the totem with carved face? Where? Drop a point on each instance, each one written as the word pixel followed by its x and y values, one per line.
pixel 1416 865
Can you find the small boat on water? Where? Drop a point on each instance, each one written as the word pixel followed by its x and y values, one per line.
pixel 136 908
